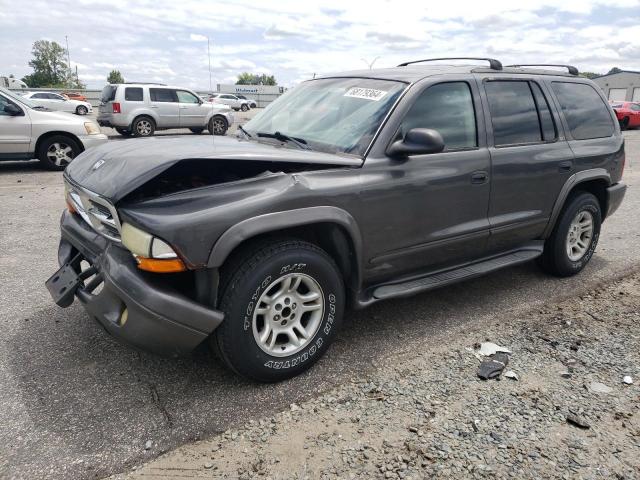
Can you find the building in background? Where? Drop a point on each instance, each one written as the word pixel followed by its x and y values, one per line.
pixel 620 86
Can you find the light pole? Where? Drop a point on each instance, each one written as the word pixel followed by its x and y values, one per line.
pixel 209 57
pixel 370 64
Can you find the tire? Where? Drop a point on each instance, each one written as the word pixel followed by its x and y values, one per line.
pixel 218 125
pixel 57 151
pixel 264 271
pixel 571 245
pixel 81 110
pixel 244 107
pixel 624 123
pixel 143 127
pixel 125 132
pixel 197 131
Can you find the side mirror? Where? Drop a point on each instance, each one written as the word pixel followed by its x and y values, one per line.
pixel 12 110
pixel 417 141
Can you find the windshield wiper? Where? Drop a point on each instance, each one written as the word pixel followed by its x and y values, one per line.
pixel 299 142
pixel 241 128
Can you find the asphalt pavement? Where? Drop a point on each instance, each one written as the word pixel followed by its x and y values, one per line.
pixel 74 403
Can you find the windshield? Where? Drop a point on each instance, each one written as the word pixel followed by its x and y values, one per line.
pixel 337 115
pixel 20 99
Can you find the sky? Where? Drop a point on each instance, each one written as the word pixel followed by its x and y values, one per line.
pixel 166 41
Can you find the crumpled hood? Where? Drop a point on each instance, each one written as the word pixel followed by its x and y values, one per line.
pixel 116 168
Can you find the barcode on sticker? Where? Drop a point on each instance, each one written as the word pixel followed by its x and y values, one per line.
pixel 366 93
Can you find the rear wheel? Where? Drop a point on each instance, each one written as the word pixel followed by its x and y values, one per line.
pixel 57 151
pixel 218 125
pixel 197 131
pixel 574 237
pixel 82 110
pixel 143 127
pixel 283 303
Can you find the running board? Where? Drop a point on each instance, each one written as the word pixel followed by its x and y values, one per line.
pixel 440 279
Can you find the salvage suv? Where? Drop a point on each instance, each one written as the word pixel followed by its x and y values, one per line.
pixel 349 189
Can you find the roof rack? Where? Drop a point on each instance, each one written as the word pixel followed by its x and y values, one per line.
pixel 493 63
pixel 572 70
pixel 144 83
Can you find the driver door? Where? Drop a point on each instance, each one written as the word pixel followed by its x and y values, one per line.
pixel 428 212
pixel 15 131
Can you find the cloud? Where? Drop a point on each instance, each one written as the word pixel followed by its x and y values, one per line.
pixel 196 37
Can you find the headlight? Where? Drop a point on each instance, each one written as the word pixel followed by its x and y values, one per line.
pixel 91 128
pixel 151 253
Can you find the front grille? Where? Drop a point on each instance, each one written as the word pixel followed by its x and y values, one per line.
pixel 98 212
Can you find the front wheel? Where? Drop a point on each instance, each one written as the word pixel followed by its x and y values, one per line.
pixel 244 107
pixel 218 125
pixel 57 151
pixel 283 303
pixel 574 237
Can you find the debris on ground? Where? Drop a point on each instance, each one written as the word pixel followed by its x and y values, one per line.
pixel 597 387
pixel 628 380
pixel 512 375
pixel 577 420
pixel 489 348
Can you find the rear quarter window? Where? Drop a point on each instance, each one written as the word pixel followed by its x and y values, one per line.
pixel 586 113
pixel 108 93
pixel 133 94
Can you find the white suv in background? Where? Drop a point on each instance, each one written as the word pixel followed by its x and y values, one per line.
pixel 231 100
pixel 60 103
pixel 31 131
pixel 140 109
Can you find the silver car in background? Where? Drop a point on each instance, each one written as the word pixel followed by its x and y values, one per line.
pixel 59 103
pixel 139 109
pixel 31 131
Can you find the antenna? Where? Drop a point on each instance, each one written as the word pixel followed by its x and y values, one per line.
pixel 370 64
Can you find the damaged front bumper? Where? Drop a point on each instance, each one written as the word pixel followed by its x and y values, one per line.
pixel 131 305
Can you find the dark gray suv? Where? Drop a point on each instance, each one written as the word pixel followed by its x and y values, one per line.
pixel 349 189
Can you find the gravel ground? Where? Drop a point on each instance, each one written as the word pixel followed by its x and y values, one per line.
pixel 76 404
pixel 428 415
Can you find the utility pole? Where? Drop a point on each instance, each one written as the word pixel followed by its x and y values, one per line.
pixel 209 57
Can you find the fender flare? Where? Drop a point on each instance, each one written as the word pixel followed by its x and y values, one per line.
pixel 271 222
pixel 572 181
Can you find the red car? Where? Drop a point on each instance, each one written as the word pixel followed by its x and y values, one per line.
pixel 628 114
pixel 75 96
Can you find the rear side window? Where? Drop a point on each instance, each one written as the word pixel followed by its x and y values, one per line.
pixel 108 93
pixel 514 115
pixel 133 94
pixel 162 95
pixel 547 124
pixel 447 108
pixel 586 113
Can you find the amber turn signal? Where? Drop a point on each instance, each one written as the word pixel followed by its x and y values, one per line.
pixel 168 265
pixel 70 206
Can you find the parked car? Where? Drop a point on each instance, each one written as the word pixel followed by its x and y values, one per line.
pixel 75 96
pixel 252 102
pixel 231 100
pixel 28 130
pixel 628 114
pixel 347 190
pixel 10 82
pixel 56 101
pixel 140 109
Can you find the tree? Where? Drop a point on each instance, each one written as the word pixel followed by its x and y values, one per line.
pixel 614 70
pixel 50 68
pixel 589 74
pixel 115 77
pixel 246 78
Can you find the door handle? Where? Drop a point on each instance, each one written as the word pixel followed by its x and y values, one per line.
pixel 154 106
pixel 183 108
pixel 479 177
pixel 565 166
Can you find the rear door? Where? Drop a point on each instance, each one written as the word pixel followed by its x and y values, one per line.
pixel 192 112
pixel 165 103
pixel 15 131
pixel 530 158
pixel 230 100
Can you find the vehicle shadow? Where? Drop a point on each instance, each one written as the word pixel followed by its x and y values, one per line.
pixel 26 166
pixel 93 397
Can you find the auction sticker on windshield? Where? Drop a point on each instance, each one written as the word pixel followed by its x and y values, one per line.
pixel 366 93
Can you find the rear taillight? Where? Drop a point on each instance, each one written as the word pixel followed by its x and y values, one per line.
pixel 116 107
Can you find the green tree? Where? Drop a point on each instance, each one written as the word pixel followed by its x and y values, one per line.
pixel 115 77
pixel 589 74
pixel 246 78
pixel 49 65
pixel 614 70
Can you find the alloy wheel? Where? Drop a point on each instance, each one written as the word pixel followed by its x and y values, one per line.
pixel 288 314
pixel 143 127
pixel 60 154
pixel 580 235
